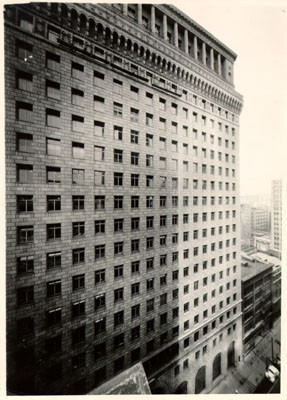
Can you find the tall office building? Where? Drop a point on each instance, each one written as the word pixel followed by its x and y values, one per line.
pixel 123 237
pixel 276 215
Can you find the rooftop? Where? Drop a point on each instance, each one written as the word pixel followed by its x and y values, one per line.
pixel 249 268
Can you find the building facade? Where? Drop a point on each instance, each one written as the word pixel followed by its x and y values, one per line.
pixel 256 301
pixel 123 234
pixel 276 215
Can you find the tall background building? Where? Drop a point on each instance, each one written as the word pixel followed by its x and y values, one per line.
pixel 276 215
pixel 123 236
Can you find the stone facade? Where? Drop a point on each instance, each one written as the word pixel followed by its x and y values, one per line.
pixel 123 239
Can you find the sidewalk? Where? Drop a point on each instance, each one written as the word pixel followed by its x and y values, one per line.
pixel 246 376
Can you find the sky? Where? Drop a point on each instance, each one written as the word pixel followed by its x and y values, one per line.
pixel 257 32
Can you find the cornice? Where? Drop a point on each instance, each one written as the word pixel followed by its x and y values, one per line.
pixel 142 36
pixel 200 32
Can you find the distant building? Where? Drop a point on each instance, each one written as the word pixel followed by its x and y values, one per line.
pixel 245 220
pixel 276 279
pixel 260 219
pixel 262 242
pixel 256 300
pixel 276 215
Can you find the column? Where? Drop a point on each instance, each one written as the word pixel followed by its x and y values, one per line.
pixel 219 64
pixel 152 20
pixel 139 14
pixel 164 24
pixel 125 9
pixel 195 47
pixel 212 59
pixel 176 34
pixel 203 53
pixel 185 38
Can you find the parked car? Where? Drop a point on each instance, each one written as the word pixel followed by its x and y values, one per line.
pixel 272 373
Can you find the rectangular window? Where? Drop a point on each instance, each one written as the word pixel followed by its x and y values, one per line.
pixel 100 326
pixel 24 111
pixel 135 201
pixel 78 229
pixel 118 178
pixel 53 231
pixel 24 81
pixel 99 226
pixel 99 202
pixel 77 97
pixel 53 61
pixel 24 51
pixel 54 288
pixel 117 86
pixel 99 79
pixel 25 265
pixel 78 308
pixel 25 234
pixel 99 128
pixel 53 118
pixel 100 276
pixel 100 251
pixel 53 174
pixel 134 137
pixel 99 178
pixel 54 260
pixel 78 176
pixel 53 90
pixel 24 203
pixel 78 203
pixel 77 71
pixel 53 203
pixel 99 104
pixel 118 109
pixel 24 142
pixel 78 282
pixel 134 115
pixel 54 317
pixel 53 147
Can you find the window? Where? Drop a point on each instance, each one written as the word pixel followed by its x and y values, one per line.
pixel 135 245
pixel 149 243
pixel 134 158
pixel 54 317
pixel 53 203
pixel 174 127
pixel 24 51
pixel 99 178
pixel 118 178
pixel 118 318
pixel 24 81
pixel 54 288
pixel 118 109
pixel 53 174
pixel 54 260
pixel 118 294
pixel 119 225
pixel 135 179
pixel 100 276
pixel 78 203
pixel 53 147
pixel 25 234
pixel 118 202
pixel 134 115
pixel 78 308
pixel 174 183
pixel 118 271
pixel 100 326
pixel 100 251
pixel 24 203
pixel 149 119
pixel 24 142
pixel 118 248
pixel 135 267
pixel 135 201
pixel 24 111
pixel 53 61
pixel 53 90
pixel 149 201
pixel 118 156
pixel 77 71
pixel 78 229
pixel 25 265
pixel 135 289
pixel 100 202
pixel 134 137
pixel 78 282
pixel 25 295
pixel 78 176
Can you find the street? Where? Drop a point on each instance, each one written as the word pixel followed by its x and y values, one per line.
pixel 249 375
